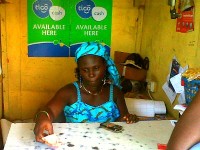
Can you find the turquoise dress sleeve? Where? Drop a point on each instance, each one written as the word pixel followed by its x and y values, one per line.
pixel 195 147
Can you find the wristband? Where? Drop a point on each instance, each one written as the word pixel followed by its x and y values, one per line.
pixel 43 111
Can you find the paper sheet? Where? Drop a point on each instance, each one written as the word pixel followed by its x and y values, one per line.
pixel 147 108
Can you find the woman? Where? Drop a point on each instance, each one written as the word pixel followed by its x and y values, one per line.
pixel 95 97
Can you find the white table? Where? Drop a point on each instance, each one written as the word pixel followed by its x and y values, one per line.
pixel 143 135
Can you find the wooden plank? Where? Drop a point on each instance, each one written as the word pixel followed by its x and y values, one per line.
pixel 11 60
pixel 1 80
pixel 4 54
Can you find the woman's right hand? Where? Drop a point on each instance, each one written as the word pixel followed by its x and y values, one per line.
pixel 130 118
pixel 43 127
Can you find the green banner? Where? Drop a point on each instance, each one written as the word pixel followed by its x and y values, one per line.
pixel 56 28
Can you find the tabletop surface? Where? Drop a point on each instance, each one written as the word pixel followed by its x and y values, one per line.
pixel 144 135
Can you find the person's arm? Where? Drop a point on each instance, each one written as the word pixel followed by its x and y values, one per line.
pixel 54 107
pixel 187 130
pixel 121 104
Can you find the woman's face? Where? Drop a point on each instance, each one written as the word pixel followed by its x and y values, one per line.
pixel 92 69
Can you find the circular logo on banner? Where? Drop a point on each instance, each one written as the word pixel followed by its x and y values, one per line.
pixel 41 8
pixel 56 13
pixel 84 8
pixel 99 13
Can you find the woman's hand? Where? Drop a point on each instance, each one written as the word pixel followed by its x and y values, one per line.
pixel 43 127
pixel 130 118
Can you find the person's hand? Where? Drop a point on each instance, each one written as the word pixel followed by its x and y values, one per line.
pixel 43 127
pixel 130 118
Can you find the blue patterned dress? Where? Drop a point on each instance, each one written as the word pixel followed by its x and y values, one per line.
pixel 81 112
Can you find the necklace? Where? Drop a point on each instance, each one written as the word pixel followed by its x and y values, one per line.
pixel 88 91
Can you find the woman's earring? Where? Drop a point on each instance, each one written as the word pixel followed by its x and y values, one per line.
pixel 80 82
pixel 104 81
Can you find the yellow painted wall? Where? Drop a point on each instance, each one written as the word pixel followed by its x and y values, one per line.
pixel 28 83
pixel 161 42
pixel 1 81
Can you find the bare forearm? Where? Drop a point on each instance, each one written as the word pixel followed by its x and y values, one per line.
pixel 187 131
pixel 184 135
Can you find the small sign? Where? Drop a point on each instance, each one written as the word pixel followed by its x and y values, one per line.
pixel 57 28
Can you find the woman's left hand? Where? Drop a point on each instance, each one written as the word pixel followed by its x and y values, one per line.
pixel 130 118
